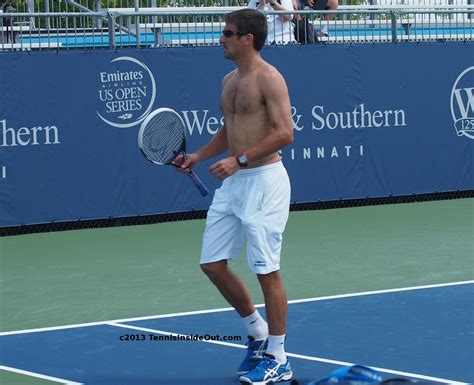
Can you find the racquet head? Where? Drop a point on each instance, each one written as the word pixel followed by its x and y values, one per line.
pixel 162 136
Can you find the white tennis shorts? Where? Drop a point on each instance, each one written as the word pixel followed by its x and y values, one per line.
pixel 252 204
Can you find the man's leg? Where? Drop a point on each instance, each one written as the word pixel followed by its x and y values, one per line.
pixel 264 239
pixel 230 286
pixel 235 292
pixel 274 366
pixel 276 305
pixel 332 6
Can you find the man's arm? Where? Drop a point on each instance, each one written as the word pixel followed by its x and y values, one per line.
pixel 217 145
pixel 275 92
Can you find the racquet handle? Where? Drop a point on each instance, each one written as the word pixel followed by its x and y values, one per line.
pixel 198 183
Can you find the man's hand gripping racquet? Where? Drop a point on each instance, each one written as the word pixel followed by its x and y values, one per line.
pixel 162 138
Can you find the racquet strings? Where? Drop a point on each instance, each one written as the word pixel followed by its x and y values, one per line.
pixel 163 137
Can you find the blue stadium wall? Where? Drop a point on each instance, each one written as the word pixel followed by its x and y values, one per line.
pixel 369 120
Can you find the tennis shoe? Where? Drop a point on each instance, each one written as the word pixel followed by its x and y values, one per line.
pixel 268 371
pixel 255 350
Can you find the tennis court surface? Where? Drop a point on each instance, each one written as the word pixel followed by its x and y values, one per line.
pixel 392 289
pixel 411 335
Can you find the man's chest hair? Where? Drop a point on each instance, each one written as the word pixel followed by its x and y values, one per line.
pixel 241 96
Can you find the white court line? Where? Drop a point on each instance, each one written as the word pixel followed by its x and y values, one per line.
pixel 210 311
pixel 41 376
pixel 300 356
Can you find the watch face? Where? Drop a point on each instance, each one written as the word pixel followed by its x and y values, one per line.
pixel 242 159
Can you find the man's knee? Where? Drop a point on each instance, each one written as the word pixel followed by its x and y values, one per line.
pixel 214 269
pixel 270 278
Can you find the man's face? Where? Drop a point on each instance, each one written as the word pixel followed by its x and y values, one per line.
pixel 232 41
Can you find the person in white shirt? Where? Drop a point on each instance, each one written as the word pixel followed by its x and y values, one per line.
pixel 280 27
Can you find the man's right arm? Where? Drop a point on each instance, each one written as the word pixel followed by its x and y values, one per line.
pixel 217 145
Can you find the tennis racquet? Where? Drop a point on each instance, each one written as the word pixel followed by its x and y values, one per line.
pixel 162 138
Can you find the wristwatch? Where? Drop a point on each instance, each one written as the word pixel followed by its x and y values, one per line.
pixel 242 160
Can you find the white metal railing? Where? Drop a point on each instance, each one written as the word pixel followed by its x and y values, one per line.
pixel 158 27
pixel 100 5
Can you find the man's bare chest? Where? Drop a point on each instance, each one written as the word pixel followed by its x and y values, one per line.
pixel 241 97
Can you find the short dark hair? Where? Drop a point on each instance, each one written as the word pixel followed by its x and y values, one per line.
pixel 250 21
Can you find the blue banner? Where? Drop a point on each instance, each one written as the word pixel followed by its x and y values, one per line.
pixel 369 120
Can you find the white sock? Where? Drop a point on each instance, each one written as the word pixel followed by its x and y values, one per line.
pixel 276 347
pixel 257 327
pixel 324 28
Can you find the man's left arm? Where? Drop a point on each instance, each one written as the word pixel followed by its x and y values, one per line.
pixel 276 96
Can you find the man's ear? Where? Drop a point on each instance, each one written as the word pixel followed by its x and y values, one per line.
pixel 249 39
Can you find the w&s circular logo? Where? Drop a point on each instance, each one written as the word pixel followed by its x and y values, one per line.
pixel 127 92
pixel 462 103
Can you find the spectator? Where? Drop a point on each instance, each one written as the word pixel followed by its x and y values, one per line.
pixel 9 22
pixel 304 31
pixel 296 7
pixel 323 5
pixel 280 27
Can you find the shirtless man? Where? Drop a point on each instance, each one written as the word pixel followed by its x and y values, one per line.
pixel 254 198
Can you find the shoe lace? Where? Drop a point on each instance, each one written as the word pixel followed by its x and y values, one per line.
pixel 256 347
pixel 264 362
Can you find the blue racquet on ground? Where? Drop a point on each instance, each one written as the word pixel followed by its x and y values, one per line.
pixel 162 138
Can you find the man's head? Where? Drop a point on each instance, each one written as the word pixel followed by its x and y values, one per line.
pixel 246 24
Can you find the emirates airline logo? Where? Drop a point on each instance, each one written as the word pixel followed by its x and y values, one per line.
pixel 127 92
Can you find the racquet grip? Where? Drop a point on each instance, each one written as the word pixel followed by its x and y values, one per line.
pixel 198 183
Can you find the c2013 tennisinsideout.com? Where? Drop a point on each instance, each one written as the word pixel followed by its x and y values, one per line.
pixel 178 337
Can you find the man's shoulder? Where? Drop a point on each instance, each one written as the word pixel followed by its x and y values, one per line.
pixel 229 75
pixel 270 80
pixel 267 72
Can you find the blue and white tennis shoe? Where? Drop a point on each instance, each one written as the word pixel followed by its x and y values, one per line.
pixel 255 351
pixel 268 371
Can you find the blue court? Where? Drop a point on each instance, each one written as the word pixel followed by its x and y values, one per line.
pixel 424 333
